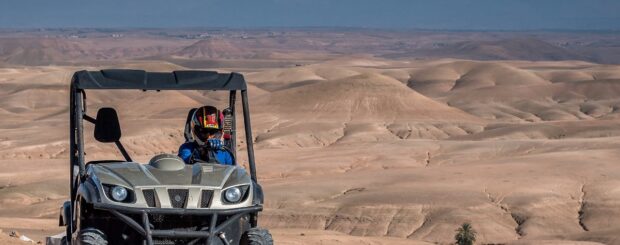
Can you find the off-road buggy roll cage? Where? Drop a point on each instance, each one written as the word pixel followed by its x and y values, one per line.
pixel 156 81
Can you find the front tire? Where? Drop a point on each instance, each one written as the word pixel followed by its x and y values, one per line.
pixel 91 236
pixel 257 236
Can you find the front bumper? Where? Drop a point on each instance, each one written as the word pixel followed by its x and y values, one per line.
pixel 143 227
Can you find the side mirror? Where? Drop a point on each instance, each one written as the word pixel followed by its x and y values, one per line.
pixel 107 127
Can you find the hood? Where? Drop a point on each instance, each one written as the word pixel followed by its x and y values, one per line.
pixel 131 174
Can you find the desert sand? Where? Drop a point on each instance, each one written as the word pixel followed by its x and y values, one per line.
pixel 362 150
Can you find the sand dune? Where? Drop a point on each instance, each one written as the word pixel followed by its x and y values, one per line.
pixel 362 150
pixel 367 96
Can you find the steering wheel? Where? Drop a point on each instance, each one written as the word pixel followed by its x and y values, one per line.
pixel 197 160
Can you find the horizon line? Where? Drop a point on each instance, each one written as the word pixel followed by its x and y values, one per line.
pixel 314 27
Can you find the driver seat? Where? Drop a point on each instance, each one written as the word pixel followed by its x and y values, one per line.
pixel 188 130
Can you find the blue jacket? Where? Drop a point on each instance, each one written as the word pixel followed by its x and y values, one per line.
pixel 187 149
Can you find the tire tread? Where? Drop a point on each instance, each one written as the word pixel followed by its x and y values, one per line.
pixel 91 236
pixel 257 236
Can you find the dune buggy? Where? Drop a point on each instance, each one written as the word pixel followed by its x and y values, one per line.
pixel 165 201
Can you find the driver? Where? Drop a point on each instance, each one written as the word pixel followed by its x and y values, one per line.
pixel 206 127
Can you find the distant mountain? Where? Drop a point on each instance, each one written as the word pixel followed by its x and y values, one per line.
pixel 214 48
pixel 299 46
pixel 505 49
pixel 39 51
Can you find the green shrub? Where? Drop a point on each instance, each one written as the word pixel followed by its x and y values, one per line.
pixel 465 235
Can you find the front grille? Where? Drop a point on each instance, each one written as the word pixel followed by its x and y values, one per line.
pixel 163 242
pixel 205 199
pixel 149 197
pixel 176 241
pixel 178 197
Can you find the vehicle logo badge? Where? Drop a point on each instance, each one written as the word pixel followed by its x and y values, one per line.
pixel 177 198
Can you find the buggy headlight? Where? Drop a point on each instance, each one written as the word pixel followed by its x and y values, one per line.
pixel 235 194
pixel 232 195
pixel 118 193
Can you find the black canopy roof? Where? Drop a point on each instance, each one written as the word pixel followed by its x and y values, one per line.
pixel 176 80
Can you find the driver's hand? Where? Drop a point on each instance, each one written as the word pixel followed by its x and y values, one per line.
pixel 215 143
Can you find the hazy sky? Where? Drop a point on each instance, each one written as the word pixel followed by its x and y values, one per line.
pixel 430 14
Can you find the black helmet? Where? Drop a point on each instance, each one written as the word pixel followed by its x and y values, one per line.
pixel 207 120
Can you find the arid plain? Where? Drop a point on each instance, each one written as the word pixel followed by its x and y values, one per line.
pixel 356 144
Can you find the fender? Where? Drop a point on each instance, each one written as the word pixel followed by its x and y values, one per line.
pixel 65 212
pixel 89 192
pixel 258 194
